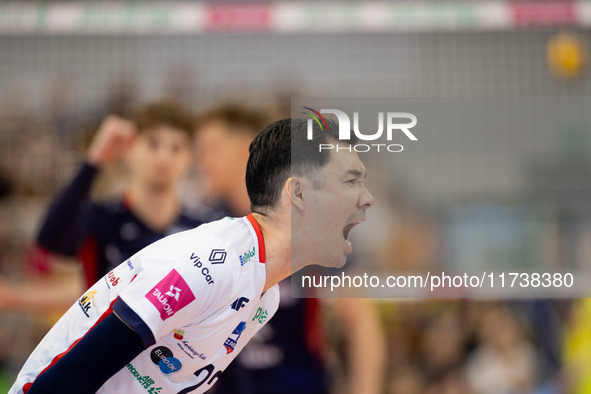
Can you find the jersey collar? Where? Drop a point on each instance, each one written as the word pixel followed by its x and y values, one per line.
pixel 260 238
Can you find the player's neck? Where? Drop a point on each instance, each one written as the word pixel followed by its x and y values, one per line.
pixel 277 249
pixel 156 208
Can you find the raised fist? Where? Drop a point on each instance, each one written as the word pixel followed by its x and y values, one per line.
pixel 114 137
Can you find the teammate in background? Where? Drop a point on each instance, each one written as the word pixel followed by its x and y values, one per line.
pixel 223 135
pixel 286 356
pixel 156 145
pixel 173 316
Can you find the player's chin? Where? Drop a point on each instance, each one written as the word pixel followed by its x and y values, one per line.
pixel 334 263
pixel 341 263
pixel 338 258
pixel 347 249
pixel 341 260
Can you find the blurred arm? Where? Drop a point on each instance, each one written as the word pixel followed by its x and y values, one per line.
pixel 365 344
pixel 100 354
pixel 43 295
pixel 61 230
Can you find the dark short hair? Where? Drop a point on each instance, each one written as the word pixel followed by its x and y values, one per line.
pixel 239 118
pixel 164 113
pixel 280 150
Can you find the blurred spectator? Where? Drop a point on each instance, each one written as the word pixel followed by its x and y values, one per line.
pixel 452 382
pixel 505 361
pixel 121 96
pixel 62 113
pixel 29 150
pixel 443 345
pixel 180 84
pixel 406 379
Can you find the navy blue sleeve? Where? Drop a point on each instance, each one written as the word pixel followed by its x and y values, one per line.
pixel 61 231
pixel 136 323
pixel 100 354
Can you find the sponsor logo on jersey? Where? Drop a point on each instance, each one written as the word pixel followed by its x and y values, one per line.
pixel 204 270
pixel 174 292
pixel 87 301
pixel 145 381
pixel 186 347
pixel 164 358
pixel 217 256
pixel 232 340
pixel 111 278
pixel 261 315
pixel 239 303
pixel 245 258
pixel 130 265
pixel 170 295
pixel 178 334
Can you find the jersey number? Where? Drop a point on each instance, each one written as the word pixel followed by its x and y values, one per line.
pixel 209 369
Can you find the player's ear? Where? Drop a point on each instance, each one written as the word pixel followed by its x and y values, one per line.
pixel 295 188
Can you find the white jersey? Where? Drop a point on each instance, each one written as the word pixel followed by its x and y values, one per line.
pixel 195 295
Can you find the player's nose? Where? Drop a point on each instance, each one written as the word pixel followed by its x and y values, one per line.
pixel 366 199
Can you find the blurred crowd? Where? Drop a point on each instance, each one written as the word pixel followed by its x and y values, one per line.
pixel 430 346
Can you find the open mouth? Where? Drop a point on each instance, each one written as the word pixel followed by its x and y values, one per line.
pixel 347 230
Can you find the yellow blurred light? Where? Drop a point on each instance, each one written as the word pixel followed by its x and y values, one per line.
pixel 567 55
